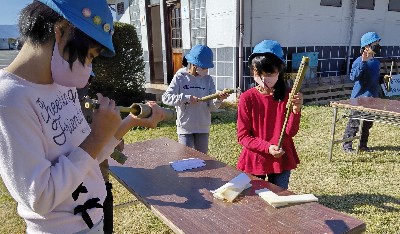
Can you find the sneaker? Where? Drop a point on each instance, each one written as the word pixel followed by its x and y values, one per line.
pixel 365 149
pixel 349 150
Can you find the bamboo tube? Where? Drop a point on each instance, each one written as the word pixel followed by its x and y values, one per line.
pixel 137 109
pixel 390 77
pixel 295 89
pixel 215 95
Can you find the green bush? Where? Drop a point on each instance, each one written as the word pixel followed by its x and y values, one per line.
pixel 121 77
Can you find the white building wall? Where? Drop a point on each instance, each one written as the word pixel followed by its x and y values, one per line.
pixel 305 23
pixel 185 14
pixel 299 25
pixel 222 22
pixel 125 17
pixel 296 23
pixel 222 38
pixel 143 28
pixel 385 23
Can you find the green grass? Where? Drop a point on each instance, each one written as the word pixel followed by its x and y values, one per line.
pixel 365 186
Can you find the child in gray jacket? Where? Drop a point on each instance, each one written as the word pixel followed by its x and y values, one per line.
pixel 194 116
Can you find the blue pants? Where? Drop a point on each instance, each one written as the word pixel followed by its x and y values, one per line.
pixel 198 141
pixel 280 179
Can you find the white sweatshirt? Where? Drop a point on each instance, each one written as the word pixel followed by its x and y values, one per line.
pixel 191 118
pixel 41 164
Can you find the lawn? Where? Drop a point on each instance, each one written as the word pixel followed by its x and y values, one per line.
pixel 365 186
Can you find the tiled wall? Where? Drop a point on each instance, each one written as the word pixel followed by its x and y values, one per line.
pixel 331 59
pixel 331 62
pixel 224 69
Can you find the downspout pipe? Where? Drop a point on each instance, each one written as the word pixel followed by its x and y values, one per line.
pixel 241 35
pixel 352 13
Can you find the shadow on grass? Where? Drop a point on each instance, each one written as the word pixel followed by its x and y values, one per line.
pixel 386 148
pixel 348 203
pixel 382 153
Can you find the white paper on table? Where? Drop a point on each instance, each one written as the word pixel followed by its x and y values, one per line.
pixel 233 188
pixel 186 164
pixel 276 200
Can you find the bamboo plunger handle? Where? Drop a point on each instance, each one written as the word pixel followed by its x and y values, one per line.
pixel 137 109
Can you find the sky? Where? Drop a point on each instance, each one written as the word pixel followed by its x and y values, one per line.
pixel 9 10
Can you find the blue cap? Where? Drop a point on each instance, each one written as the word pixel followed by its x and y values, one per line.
pixel 368 38
pixel 93 17
pixel 201 56
pixel 267 46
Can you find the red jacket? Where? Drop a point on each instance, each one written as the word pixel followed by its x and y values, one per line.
pixel 259 124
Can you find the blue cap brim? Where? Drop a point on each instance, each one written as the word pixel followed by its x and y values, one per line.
pixel 86 26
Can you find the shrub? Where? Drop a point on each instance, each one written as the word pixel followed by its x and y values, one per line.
pixel 121 77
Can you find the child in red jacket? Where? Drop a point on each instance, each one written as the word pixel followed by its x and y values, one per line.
pixel 261 115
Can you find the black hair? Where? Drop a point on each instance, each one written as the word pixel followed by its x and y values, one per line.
pixel 270 63
pixel 36 25
pixel 184 61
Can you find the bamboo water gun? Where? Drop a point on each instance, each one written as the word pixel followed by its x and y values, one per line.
pixel 137 109
pixel 216 95
pixel 388 88
pixel 295 89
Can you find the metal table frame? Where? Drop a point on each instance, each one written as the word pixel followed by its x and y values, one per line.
pixel 365 114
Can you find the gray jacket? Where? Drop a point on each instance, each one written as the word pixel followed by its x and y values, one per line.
pixel 191 118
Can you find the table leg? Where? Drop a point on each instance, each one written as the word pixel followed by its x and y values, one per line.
pixel 333 132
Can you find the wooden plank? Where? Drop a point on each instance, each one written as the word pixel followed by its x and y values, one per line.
pixel 324 80
pixel 327 87
pixel 326 95
pixel 184 202
pixel 386 66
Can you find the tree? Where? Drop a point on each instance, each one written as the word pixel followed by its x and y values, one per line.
pixel 121 77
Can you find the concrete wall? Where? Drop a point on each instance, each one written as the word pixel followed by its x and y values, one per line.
pixel 300 26
pixel 222 22
pixel 306 23
pixel 221 38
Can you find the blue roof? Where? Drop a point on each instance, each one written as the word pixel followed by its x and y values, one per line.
pixel 9 31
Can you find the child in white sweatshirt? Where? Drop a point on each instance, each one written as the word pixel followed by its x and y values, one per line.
pixel 49 156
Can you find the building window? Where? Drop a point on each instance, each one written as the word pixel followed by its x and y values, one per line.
pixel 176 28
pixel 120 8
pixel 134 12
pixel 394 5
pixel 335 3
pixel 365 4
pixel 198 24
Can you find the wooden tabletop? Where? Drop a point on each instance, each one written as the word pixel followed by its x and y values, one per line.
pixel 370 104
pixel 184 202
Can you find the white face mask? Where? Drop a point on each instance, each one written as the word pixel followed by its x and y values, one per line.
pixel 63 75
pixel 266 81
pixel 201 71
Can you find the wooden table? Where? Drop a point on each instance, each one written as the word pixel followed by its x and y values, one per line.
pixel 370 109
pixel 184 202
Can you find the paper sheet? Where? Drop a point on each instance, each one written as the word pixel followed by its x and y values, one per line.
pixel 277 201
pixel 233 188
pixel 186 164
